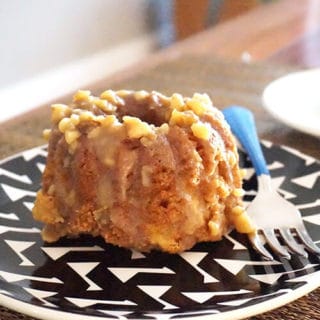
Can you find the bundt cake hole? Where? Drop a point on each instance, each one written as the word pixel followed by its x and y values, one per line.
pixel 145 110
pixel 164 203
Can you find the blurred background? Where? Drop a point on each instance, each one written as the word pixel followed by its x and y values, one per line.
pixel 51 48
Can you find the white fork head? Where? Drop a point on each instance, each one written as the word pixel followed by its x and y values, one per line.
pixel 270 210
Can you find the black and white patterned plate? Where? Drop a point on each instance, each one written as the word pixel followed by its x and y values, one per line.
pixel 88 279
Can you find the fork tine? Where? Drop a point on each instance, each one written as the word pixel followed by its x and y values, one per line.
pixel 275 244
pixel 291 242
pixel 241 121
pixel 258 246
pixel 306 239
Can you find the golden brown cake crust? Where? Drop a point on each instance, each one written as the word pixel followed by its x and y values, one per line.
pixel 141 170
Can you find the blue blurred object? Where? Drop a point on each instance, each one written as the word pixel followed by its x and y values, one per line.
pixel 162 18
pixel 242 124
pixel 162 12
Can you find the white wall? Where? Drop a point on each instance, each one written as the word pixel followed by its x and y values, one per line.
pixel 38 35
pixel 50 48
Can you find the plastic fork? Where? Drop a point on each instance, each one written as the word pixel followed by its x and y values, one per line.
pixel 274 217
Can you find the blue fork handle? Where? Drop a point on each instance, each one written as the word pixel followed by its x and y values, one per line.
pixel 242 124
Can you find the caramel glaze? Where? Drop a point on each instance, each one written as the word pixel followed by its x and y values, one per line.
pixel 167 189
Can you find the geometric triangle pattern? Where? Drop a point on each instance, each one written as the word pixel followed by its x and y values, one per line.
pixel 83 269
pixel 194 258
pixel 200 297
pixel 86 276
pixel 235 266
pixel 42 295
pixel 58 252
pixel 156 292
pixel 307 181
pixel 19 247
pixel 315 219
pixel 16 193
pixel 124 274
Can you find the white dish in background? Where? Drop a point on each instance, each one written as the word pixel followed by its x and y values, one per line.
pixel 295 100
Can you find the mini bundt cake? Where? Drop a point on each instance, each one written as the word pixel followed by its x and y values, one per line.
pixel 142 170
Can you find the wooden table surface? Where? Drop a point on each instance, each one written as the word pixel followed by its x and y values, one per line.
pixel 274 39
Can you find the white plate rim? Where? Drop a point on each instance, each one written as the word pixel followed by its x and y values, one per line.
pixel 271 106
